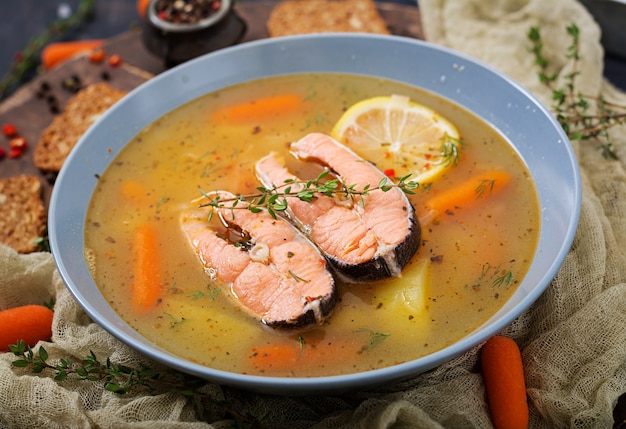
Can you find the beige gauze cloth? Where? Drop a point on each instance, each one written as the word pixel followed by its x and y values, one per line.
pixel 573 339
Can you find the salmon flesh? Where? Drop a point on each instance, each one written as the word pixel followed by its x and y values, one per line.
pixel 370 238
pixel 275 273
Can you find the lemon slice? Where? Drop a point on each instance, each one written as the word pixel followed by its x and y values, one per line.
pixel 400 136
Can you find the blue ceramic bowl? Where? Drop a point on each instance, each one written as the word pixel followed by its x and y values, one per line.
pixel 501 102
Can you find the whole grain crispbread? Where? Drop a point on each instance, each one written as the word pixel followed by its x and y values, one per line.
pixel 22 212
pixel 81 111
pixel 324 16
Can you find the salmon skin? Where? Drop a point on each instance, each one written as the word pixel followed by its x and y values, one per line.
pixel 274 272
pixel 363 242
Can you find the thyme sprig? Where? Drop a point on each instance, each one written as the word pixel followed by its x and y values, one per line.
pixel 28 58
pixel 571 107
pixel 274 198
pixel 122 379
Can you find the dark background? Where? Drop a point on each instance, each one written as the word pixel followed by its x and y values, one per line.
pixel 26 19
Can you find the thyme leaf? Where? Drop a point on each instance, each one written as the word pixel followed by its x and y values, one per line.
pixel 297 277
pixel 375 338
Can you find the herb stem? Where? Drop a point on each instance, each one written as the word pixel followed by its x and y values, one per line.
pixel 121 379
pixel 570 106
pixel 274 199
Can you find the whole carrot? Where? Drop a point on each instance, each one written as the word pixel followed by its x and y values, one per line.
pixel 146 288
pixel 30 323
pixel 142 6
pixel 469 192
pixel 259 109
pixel 503 374
pixel 55 53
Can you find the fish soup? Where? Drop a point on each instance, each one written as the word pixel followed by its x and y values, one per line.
pixel 473 252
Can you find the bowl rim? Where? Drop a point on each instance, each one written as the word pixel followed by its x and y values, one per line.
pixel 333 383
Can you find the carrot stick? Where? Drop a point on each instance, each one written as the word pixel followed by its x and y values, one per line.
pixel 503 374
pixel 259 109
pixel 29 323
pixel 146 288
pixel 55 53
pixel 469 192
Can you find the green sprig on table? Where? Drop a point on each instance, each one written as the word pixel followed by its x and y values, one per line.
pixel 122 379
pixel 570 106
pixel 28 58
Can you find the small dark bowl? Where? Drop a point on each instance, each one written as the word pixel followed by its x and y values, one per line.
pixel 179 42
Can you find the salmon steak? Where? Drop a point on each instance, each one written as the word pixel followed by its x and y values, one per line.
pixel 369 238
pixel 273 271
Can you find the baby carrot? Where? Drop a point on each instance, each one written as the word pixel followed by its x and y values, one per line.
pixel 470 191
pixel 259 109
pixel 503 374
pixel 29 323
pixel 55 53
pixel 146 288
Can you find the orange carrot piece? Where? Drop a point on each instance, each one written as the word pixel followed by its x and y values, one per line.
pixel 503 374
pixel 276 357
pixel 55 53
pixel 146 288
pixel 134 191
pixel 29 323
pixel 142 6
pixel 259 109
pixel 469 192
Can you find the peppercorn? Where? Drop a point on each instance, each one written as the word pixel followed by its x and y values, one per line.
pixel 97 55
pixel 72 83
pixel 114 60
pixel 15 153
pixel 18 143
pixel 9 130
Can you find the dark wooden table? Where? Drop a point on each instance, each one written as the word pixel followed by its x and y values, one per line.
pixel 31 114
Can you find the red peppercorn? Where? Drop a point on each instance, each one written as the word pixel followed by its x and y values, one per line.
pixel 9 130
pixel 2 152
pixel 97 55
pixel 390 172
pixel 114 60
pixel 15 153
pixel 18 143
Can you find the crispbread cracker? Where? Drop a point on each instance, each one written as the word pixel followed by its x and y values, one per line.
pixel 22 212
pixel 324 16
pixel 79 114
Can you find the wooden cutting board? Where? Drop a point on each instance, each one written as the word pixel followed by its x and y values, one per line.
pixel 31 114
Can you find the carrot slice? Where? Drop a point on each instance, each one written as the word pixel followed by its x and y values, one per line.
pixel 134 192
pixel 29 323
pixel 146 289
pixel 259 109
pixel 469 192
pixel 56 53
pixel 503 373
pixel 276 357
